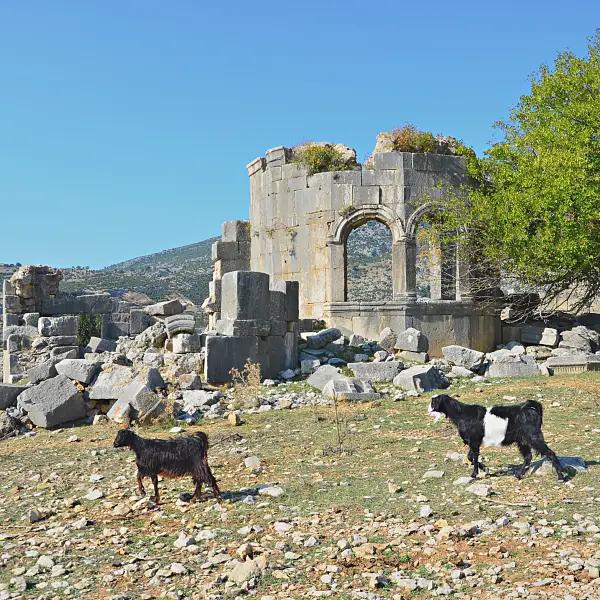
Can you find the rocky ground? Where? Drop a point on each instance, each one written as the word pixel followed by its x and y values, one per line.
pixel 383 515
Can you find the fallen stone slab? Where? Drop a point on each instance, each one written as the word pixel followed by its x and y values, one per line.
pixel 43 371
pixel 539 335
pixel 22 330
pixel 110 382
pixel 414 357
pixel 62 340
pixel 309 365
pixel 376 371
pixel 166 308
pixel 421 379
pixel 505 364
pixel 77 369
pixel 180 323
pixel 580 338
pixel 184 343
pixel 52 402
pixel 322 376
pixel 463 357
pixel 194 400
pixel 345 388
pixel 387 339
pixel 9 393
pixel 99 345
pixel 458 371
pixel 64 352
pixel 412 340
pixel 323 338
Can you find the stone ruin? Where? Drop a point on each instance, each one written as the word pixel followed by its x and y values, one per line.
pixel 298 231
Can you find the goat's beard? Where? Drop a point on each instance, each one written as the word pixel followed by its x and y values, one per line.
pixel 436 415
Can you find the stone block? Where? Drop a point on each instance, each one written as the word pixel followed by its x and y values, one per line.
pixel 31 319
pixel 505 364
pixel 113 329
pixel 52 402
pixel 539 335
pixel 414 357
pixel 322 376
pixel 356 340
pixel 365 195
pixel 243 327
pixel 14 343
pixel 510 333
pixel 77 369
pixel 109 383
pixel 309 365
pixel 413 340
pixel 323 338
pixel 23 331
pixel 272 355
pixel 291 290
pixel 245 295
pixel 184 343
pixel 62 340
pixel 58 326
pixel 9 319
pixel 119 411
pixel 42 371
pixel 139 320
pixel 463 357
pixel 235 231
pixel 153 358
pixel 12 303
pixel 64 352
pixel 387 339
pixel 9 393
pixel 580 338
pixel 376 371
pixel 421 379
pixel 166 308
pixel 224 353
pixel 143 402
pixel 346 389
pixel 290 340
pixel 393 160
pixel 100 345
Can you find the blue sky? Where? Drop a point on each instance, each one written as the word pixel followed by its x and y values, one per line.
pixel 125 126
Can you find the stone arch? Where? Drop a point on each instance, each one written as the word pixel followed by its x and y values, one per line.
pixel 360 216
pixel 413 221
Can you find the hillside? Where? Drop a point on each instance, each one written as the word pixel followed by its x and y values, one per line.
pixel 183 271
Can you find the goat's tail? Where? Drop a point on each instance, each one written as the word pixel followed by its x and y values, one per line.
pixel 535 407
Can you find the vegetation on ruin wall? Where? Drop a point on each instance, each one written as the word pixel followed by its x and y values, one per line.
pixel 534 210
pixel 322 158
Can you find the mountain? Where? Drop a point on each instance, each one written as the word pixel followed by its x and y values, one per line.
pixel 178 272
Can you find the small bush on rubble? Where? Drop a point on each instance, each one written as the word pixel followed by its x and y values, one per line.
pixel 246 382
pixel 321 158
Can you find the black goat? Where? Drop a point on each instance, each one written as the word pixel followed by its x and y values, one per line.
pixel 170 458
pixel 519 424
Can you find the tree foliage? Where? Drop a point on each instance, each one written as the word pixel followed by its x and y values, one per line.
pixel 534 207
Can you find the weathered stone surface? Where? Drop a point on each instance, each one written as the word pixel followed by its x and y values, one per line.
pixel 153 358
pixel 580 338
pixel 61 340
pixel 20 330
pixel 322 376
pixel 52 402
pixel 9 393
pixel 184 343
pixel 309 365
pixel 387 339
pixel 458 371
pixel 463 357
pixel 421 379
pixel 291 290
pixel 139 320
pixel 78 369
pixel 182 323
pixel 119 412
pixel 42 371
pixel 569 463
pixel 197 399
pixel 539 335
pixel 52 326
pixel 224 353
pixel 166 308
pixel 505 364
pixel 100 345
pixel 63 352
pixel 245 295
pixel 323 338
pixel 248 327
pixel 376 371
pixel 412 340
pixel 110 383
pixel 31 319
pixel 344 388
pixel 356 340
pixel 414 357
pixel 568 360
pixel 190 381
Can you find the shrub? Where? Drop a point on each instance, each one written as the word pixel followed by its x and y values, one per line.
pixel 89 326
pixel 322 158
pixel 246 382
pixel 409 139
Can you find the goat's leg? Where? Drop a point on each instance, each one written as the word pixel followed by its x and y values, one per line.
pixel 155 484
pixel 197 491
pixel 525 451
pixel 539 445
pixel 473 457
pixel 140 484
pixel 208 478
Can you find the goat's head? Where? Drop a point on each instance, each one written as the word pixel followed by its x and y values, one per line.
pixel 437 407
pixel 124 438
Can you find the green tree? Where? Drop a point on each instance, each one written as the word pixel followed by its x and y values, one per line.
pixel 534 209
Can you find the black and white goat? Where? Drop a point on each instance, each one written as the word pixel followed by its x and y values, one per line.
pixel 170 458
pixel 519 424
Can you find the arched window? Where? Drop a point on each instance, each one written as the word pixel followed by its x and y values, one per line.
pixel 368 263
